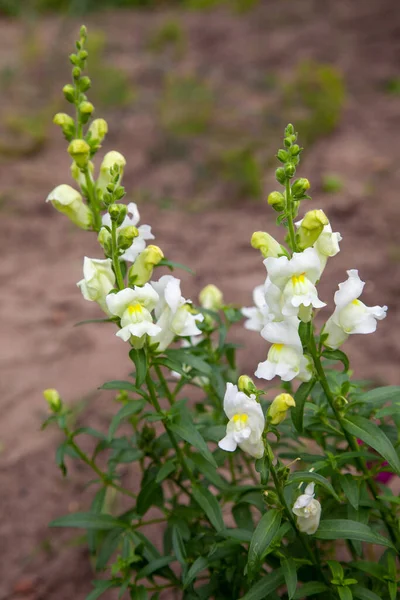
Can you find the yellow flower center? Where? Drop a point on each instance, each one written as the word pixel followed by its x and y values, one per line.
pixel 135 308
pixel 356 302
pixel 298 278
pixel 277 347
pixel 240 418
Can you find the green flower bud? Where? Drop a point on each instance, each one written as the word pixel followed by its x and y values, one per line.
pixel 282 155
pixel 53 399
pixel 280 175
pixel 76 73
pixel 105 240
pixel 86 108
pixel 83 32
pixel 311 228
pixel 85 84
pixel 79 150
pixel 211 297
pixel 290 170
pixel 289 129
pixel 98 129
pixel 246 385
pixel 66 123
pixel 268 246
pixel 69 93
pixel 78 175
pixel 279 407
pixel 126 235
pixel 117 213
pixel 142 269
pixel 271 497
pixel 276 200
pixel 299 187
pixel 83 54
pixel 295 150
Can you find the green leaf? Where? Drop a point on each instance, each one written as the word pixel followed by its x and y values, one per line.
pixel 307 477
pixel 179 546
pixel 139 592
pixel 241 535
pixel 89 521
pixel 262 537
pixel 120 385
pixel 372 435
pixel 185 428
pixel 372 569
pixel 107 549
pixel 174 265
pixel 150 494
pixel 351 488
pixel 392 499
pixel 344 529
pixel 128 410
pixel 344 592
pixel 86 321
pixel 265 586
pixel 185 357
pixel 300 397
pixel 140 360
pixel 100 588
pixel 165 470
pixel 209 472
pixel 243 516
pixel 199 565
pixel 154 566
pixel 337 355
pixel 363 593
pixel 336 569
pixel 210 505
pixel 310 589
pixel 388 411
pixel 381 395
pixel 290 574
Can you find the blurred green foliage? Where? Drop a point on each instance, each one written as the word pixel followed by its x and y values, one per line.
pixel 315 99
pixel 170 35
pixel 392 86
pixel 240 166
pixel 331 184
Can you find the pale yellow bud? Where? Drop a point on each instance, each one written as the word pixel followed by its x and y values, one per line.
pixel 279 407
pixel 98 130
pixel 142 269
pixel 311 228
pixel 246 385
pixel 268 246
pixel 126 235
pixel 79 150
pixel 211 297
pixel 66 123
pixel 105 241
pixel 69 202
pixel 53 399
pixel 111 158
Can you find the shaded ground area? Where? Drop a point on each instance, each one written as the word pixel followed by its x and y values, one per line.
pixel 175 177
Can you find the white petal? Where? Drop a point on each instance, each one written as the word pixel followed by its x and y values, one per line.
pixel 118 303
pixel 228 443
pixel 349 290
pixel 285 332
pixel 336 335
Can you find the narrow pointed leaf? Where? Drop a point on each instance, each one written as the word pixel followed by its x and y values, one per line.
pixel 208 502
pixel 89 521
pixel 300 397
pixel 308 477
pixel 290 574
pixel 265 586
pixel 262 537
pixel 344 529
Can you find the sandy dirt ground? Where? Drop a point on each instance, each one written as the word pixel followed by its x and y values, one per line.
pixel 42 254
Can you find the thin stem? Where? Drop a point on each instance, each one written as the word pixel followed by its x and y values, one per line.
pixel 350 439
pixel 250 469
pixel 232 469
pixel 115 257
pixel 169 395
pixel 91 195
pixel 289 216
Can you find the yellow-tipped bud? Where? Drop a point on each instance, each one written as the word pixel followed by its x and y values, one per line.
pixel 66 123
pixel 311 228
pixel 126 235
pixel 142 269
pixel 266 244
pixel 279 407
pixel 79 150
pixel 276 200
pixel 98 130
pixel 246 385
pixel 53 399
pixel 86 108
pixel 211 297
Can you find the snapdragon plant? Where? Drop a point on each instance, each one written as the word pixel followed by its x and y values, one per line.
pixel 222 494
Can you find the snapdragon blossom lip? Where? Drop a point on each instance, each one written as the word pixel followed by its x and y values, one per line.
pixel 327 244
pixel 246 423
pixel 98 280
pixel 351 315
pixel 139 243
pixel 259 315
pixel 308 511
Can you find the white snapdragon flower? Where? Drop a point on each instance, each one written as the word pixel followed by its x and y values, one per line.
pixel 351 315
pixel 327 244
pixel 296 278
pixel 173 313
pixel 98 280
pixel 260 314
pixel 246 423
pixel 285 357
pixel 69 202
pixel 307 511
pixel 139 243
pixel 133 307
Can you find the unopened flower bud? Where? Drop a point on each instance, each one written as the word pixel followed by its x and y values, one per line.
pixel 246 385
pixel 79 150
pixel 69 92
pixel 211 297
pixel 111 158
pixel 78 175
pixel 266 244
pixel 86 108
pixel 104 239
pixel 53 399
pixel 66 123
pixel 290 170
pixel 279 407
pixel 85 84
pixel 271 497
pixel 340 402
pixel 311 228
pixel 117 213
pixel 76 73
pixel 98 129
pixel 282 155
pixel 299 187
pixel 280 175
pixel 295 150
pixel 69 202
pixel 142 269
pixel 277 201
pixel 126 235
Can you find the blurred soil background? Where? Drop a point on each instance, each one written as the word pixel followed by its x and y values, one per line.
pixel 196 97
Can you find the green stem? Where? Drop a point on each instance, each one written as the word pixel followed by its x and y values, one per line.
pixel 115 257
pixel 169 395
pixel 385 513
pixel 289 216
pixel 91 196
